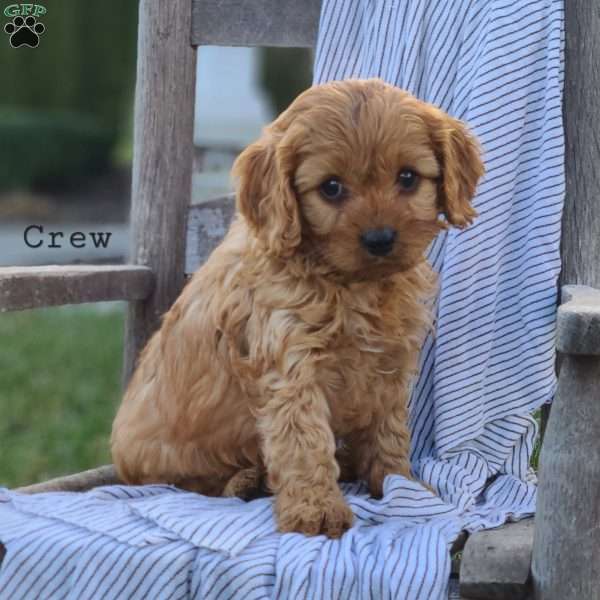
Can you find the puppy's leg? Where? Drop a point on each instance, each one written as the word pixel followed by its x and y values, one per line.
pixel 346 460
pixel 384 449
pixel 299 453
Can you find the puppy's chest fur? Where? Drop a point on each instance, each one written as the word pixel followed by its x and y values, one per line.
pixel 370 357
pixel 359 343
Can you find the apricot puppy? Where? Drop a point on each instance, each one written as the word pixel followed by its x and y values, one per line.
pixel 302 330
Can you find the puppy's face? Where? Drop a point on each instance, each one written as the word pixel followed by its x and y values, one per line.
pixel 355 175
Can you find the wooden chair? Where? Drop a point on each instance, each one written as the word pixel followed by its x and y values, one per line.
pixel 171 239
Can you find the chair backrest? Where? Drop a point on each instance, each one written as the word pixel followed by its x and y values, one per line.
pixel 289 23
pixel 163 225
pixel 170 239
pixel 163 151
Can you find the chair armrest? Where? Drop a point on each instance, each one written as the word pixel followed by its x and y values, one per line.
pixel 578 321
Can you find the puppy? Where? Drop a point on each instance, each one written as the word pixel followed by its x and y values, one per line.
pixel 302 330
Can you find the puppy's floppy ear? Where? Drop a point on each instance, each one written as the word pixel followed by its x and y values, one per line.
pixel 460 156
pixel 265 196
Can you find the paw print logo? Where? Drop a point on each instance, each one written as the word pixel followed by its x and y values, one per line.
pixel 24 32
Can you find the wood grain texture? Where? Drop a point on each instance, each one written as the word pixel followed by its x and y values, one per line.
pixel 79 482
pixel 162 160
pixel 207 225
pixel 567 525
pixel 289 23
pixel 581 217
pixel 566 561
pixel 496 563
pixel 578 321
pixel 34 287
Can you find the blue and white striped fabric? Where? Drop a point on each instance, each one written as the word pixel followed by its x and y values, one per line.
pixel 498 65
pixel 159 542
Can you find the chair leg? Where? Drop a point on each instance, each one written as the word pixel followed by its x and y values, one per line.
pixel 567 527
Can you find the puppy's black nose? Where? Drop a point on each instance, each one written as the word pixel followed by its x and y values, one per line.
pixel 379 242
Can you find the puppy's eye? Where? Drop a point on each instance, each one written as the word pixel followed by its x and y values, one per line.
pixel 407 180
pixel 332 189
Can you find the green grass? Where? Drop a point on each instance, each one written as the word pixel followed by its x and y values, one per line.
pixel 60 373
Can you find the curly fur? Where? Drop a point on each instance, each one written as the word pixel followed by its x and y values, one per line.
pixel 292 339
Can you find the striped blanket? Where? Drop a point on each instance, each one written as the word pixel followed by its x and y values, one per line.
pixel 497 64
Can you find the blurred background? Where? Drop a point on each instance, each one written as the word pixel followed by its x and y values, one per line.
pixel 66 111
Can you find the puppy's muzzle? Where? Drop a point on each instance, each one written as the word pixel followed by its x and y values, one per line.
pixel 379 242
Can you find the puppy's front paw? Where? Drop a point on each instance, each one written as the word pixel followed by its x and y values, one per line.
pixel 313 512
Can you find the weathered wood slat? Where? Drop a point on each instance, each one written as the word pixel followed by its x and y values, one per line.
pixel 162 161
pixel 581 215
pixel 79 482
pixel 496 563
pixel 33 287
pixel 289 23
pixel 578 322
pixel 207 225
